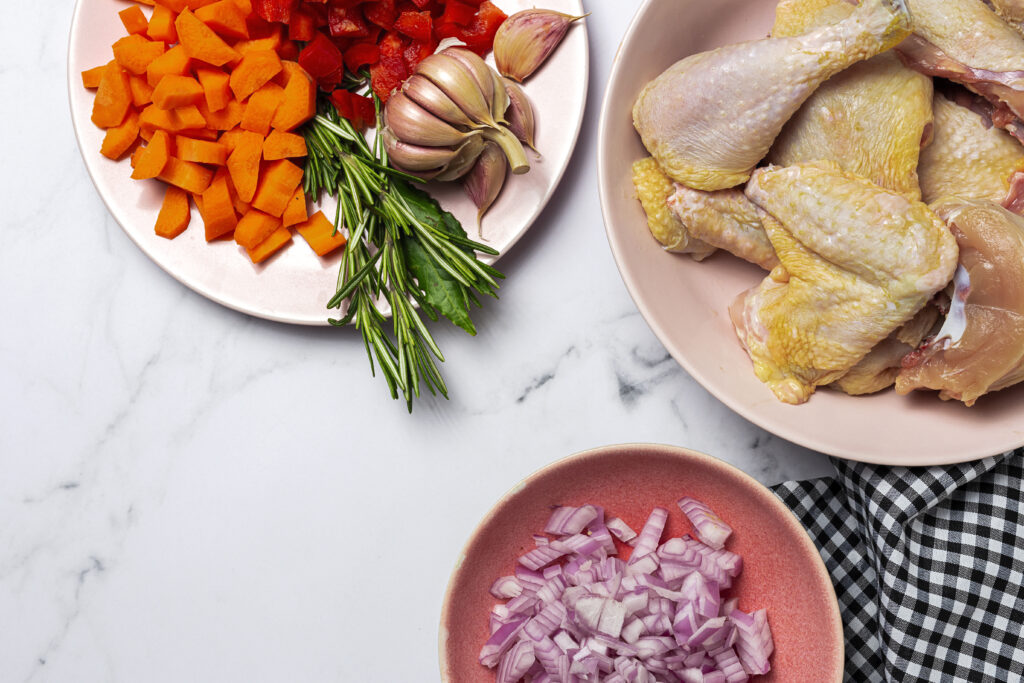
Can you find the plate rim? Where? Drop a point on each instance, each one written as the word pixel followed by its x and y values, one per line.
pixel 683 454
pixel 79 121
pixel 617 246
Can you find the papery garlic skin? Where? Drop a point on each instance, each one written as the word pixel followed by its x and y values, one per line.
pixel 526 39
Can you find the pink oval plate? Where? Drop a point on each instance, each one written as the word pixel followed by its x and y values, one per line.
pixel 295 285
pixel 782 570
pixel 686 302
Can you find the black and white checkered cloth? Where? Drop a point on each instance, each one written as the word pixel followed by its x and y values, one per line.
pixel 928 566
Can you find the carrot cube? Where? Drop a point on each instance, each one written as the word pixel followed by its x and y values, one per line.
pixel 254 227
pixel 135 53
pixel 244 164
pixel 276 186
pixel 161 25
pixel 262 106
pixel 174 62
pixel 320 234
pixel 174 214
pixel 218 211
pixel 175 91
pixel 225 18
pixel 151 159
pixel 271 245
pixel 113 97
pixel 134 20
pixel 299 103
pixel 200 42
pixel 201 151
pixel 188 176
pixel 253 72
pixel 120 138
pixel 215 87
pixel 295 212
pixel 281 145
pixel 91 77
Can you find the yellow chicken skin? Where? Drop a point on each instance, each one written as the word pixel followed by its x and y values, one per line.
pixel 871 119
pixel 857 261
pixel 967 158
pixel 711 117
pixel 653 189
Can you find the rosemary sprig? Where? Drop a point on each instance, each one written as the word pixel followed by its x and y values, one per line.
pixel 402 248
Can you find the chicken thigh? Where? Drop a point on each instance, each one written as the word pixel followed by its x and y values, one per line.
pixel 980 347
pixel 857 261
pixel 871 119
pixel 712 116
pixel 725 219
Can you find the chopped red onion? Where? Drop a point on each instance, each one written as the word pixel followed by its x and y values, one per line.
pixel 576 613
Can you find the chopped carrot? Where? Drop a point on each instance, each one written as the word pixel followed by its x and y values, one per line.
pixel 174 214
pixel 254 227
pixel 244 164
pixel 113 97
pixel 245 6
pixel 142 91
pixel 152 158
pixel 91 77
pixel 200 42
pixel 201 151
pixel 161 25
pixel 218 211
pixel 119 139
pixel 271 245
pixel 135 53
pixel 270 42
pixel 299 103
pixel 255 69
pixel 225 18
pixel 281 145
pixel 260 109
pixel 134 20
pixel 276 186
pixel 225 119
pixel 295 212
pixel 172 120
pixel 173 62
pixel 188 176
pixel 229 137
pixel 176 6
pixel 215 87
pixel 320 234
pixel 175 91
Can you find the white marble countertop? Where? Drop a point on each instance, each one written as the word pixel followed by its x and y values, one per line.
pixel 190 494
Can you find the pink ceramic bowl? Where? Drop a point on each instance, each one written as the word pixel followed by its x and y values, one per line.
pixel 686 303
pixel 782 571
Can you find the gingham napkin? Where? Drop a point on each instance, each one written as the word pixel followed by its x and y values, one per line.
pixel 928 566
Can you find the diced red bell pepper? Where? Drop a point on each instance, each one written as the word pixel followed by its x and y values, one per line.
pixel 382 13
pixel 479 36
pixel 360 54
pixel 390 70
pixel 289 50
pixel 323 61
pixel 301 27
pixel 261 28
pixel 421 3
pixel 447 30
pixel 458 13
pixel 275 10
pixel 417 25
pixel 347 23
pixel 417 51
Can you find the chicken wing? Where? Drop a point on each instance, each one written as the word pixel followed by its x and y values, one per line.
pixel 725 219
pixel 857 261
pixel 980 347
pixel 871 119
pixel 654 188
pixel 711 117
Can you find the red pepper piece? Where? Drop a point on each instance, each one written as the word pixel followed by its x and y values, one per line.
pixel 342 101
pixel 360 54
pixel 382 13
pixel 458 13
pixel 347 23
pixel 421 3
pixel 323 61
pixel 417 25
pixel 479 36
pixel 275 10
pixel 302 26
pixel 417 51
pixel 363 111
pixel 390 70
pixel 447 30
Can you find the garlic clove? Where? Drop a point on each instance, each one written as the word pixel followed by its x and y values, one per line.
pixel 414 158
pixel 527 38
pixel 520 113
pixel 464 159
pixel 423 92
pixel 414 125
pixel 484 180
pixel 477 67
pixel 511 146
pixel 500 102
pixel 448 74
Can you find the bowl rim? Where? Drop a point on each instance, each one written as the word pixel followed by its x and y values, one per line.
pixel 683 454
pixel 617 246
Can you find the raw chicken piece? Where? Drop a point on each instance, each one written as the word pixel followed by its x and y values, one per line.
pixel 966 42
pixel 654 188
pixel 981 346
pixel 871 119
pixel 857 260
pixel 711 117
pixel 968 157
pixel 725 219
pixel 1012 11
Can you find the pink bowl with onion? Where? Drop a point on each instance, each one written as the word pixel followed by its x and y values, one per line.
pixel 782 570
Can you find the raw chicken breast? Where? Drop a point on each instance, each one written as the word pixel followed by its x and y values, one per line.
pixel 981 346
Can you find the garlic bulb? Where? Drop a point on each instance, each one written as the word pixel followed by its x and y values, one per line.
pixel 527 38
pixel 446 114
